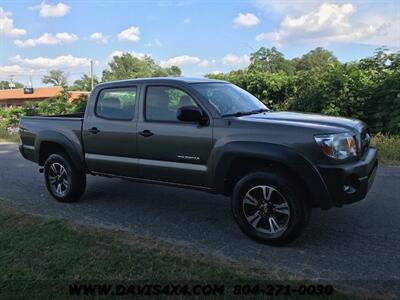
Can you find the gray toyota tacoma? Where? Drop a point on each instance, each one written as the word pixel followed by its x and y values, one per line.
pixel 208 135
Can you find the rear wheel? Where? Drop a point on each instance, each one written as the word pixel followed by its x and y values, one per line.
pixel 270 208
pixel 64 182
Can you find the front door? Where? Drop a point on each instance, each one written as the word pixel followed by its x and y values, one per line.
pixel 110 133
pixel 171 150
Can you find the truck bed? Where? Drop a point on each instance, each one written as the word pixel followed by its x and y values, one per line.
pixel 68 126
pixel 73 115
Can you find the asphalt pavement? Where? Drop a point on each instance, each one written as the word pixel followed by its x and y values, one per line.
pixel 356 245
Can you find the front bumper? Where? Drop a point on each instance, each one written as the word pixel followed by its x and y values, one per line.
pixel 348 183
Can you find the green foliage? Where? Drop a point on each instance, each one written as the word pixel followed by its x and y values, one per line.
pixel 80 104
pixel 53 106
pixel 84 83
pixel 388 147
pixel 10 116
pixel 368 89
pixel 56 78
pixel 8 137
pixel 317 58
pixel 270 88
pixel 270 61
pixel 127 66
pixel 4 85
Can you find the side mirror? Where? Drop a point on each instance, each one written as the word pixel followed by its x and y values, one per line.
pixel 190 114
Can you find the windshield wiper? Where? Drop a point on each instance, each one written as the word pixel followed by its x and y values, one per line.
pixel 245 113
pixel 257 111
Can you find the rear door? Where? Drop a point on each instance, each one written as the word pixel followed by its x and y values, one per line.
pixel 110 133
pixel 171 150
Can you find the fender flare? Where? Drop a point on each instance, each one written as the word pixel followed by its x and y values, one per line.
pixel 275 154
pixel 71 144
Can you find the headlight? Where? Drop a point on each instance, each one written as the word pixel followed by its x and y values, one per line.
pixel 338 146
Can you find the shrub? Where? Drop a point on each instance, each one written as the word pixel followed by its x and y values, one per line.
pixel 368 89
pixel 388 147
pixel 53 106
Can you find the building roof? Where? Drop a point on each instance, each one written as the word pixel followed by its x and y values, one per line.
pixel 38 93
pixel 75 95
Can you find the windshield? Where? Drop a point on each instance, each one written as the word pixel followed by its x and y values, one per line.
pixel 229 99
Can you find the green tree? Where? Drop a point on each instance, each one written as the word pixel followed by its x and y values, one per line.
pixel 84 83
pixel 270 61
pixel 273 89
pixel 4 85
pixel 367 89
pixel 56 78
pixel 127 66
pixel 317 58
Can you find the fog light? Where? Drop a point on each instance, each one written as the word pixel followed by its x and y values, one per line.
pixel 350 184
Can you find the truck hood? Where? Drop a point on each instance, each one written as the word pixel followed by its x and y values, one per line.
pixel 312 119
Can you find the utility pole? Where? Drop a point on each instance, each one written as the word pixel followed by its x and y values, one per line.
pixel 30 81
pixel 91 74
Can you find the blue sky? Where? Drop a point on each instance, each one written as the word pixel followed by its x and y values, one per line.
pixel 199 36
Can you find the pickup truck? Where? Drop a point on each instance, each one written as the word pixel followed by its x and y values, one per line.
pixel 208 135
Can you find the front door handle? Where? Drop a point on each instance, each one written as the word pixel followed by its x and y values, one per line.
pixel 146 133
pixel 94 130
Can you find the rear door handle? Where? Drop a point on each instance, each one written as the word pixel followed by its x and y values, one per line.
pixel 94 130
pixel 146 133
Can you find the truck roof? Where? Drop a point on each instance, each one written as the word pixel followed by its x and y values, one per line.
pixel 165 80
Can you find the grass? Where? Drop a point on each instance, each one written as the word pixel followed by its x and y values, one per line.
pixel 388 148
pixel 40 257
pixel 6 137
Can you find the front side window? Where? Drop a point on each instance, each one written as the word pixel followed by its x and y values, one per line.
pixel 117 104
pixel 163 102
pixel 228 98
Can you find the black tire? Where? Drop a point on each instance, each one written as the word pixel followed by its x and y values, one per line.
pixel 67 186
pixel 288 223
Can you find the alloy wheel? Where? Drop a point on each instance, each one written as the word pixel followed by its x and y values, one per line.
pixel 58 179
pixel 266 210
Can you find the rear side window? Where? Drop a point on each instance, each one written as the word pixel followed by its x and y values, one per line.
pixel 117 104
pixel 163 102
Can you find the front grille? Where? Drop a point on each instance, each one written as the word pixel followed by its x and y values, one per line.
pixel 365 141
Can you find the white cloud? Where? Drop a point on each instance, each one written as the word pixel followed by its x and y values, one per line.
pixel 98 38
pixel 180 61
pixel 7 27
pixel 52 10
pixel 332 23
pixel 48 39
pixel 13 70
pixel 245 20
pixel 131 34
pixel 66 37
pixel 45 39
pixel 216 72
pixel 235 60
pixel 289 7
pixel 59 62
pixel 139 55
pixel 207 63
pixel 41 65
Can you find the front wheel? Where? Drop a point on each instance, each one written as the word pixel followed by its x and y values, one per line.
pixel 270 208
pixel 64 182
